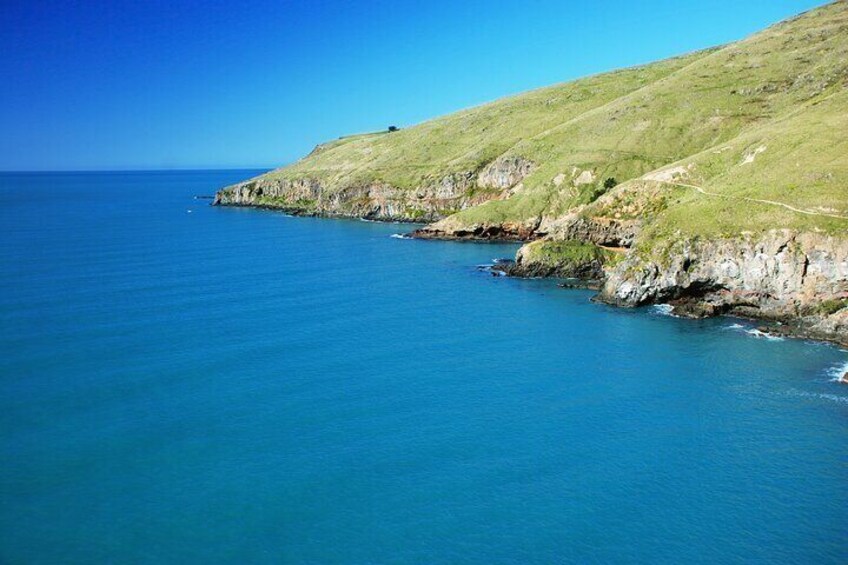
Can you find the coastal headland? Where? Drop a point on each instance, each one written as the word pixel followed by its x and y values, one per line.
pixel 715 182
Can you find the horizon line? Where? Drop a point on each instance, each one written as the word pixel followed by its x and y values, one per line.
pixel 137 170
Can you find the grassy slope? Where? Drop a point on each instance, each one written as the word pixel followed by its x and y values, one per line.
pixel 804 163
pixel 467 140
pixel 784 89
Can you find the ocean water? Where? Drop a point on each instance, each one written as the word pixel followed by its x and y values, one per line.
pixel 182 383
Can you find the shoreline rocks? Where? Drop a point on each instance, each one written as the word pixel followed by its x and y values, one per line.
pixel 798 279
pixel 372 200
pixel 433 200
pixel 496 233
pixel 796 282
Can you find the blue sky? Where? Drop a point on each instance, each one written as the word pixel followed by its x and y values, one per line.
pixel 154 84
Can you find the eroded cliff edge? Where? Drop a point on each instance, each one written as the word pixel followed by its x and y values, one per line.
pixel 432 198
pixel 798 280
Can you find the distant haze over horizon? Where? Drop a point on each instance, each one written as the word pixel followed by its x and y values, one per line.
pixel 153 85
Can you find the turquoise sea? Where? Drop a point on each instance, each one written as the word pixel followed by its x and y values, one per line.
pixel 188 384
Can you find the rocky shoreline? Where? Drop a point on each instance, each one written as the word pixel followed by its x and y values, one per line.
pixel 796 284
pixel 429 202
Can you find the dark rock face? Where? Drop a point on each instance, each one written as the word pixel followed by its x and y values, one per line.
pixel 498 232
pixel 589 272
pixel 695 308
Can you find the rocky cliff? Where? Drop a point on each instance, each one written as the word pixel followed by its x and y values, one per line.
pixel 374 200
pixel 797 279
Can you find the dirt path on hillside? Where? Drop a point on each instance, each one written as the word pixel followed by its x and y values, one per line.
pixel 771 202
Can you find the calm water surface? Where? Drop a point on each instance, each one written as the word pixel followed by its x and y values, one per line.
pixel 182 383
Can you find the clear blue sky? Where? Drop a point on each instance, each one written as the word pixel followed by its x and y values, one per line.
pixel 154 84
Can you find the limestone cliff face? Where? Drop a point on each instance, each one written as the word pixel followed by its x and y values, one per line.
pixel 429 202
pixel 375 200
pixel 782 267
pixel 253 192
pixel 782 275
pixel 504 176
pixel 482 231
pixel 505 172
pixel 797 279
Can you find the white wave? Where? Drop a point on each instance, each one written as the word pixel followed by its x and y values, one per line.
pixel 734 327
pixel 763 335
pixel 400 236
pixel 823 396
pixel 664 310
pixel 837 371
pixel 834 397
pixel 490 268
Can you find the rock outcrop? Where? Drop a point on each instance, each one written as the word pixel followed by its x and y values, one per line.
pixel 429 202
pixel 563 259
pixel 505 172
pixel 483 231
pixel 799 279
pixel 374 200
pixel 603 231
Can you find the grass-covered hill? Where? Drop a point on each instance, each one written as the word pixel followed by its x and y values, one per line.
pixel 779 97
pixel 746 141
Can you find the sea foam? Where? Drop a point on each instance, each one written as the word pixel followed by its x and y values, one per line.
pixel 664 310
pixel 818 395
pixel 763 335
pixel 837 371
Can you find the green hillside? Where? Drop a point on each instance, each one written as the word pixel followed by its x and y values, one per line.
pixel 760 119
pixel 468 140
pixel 783 90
